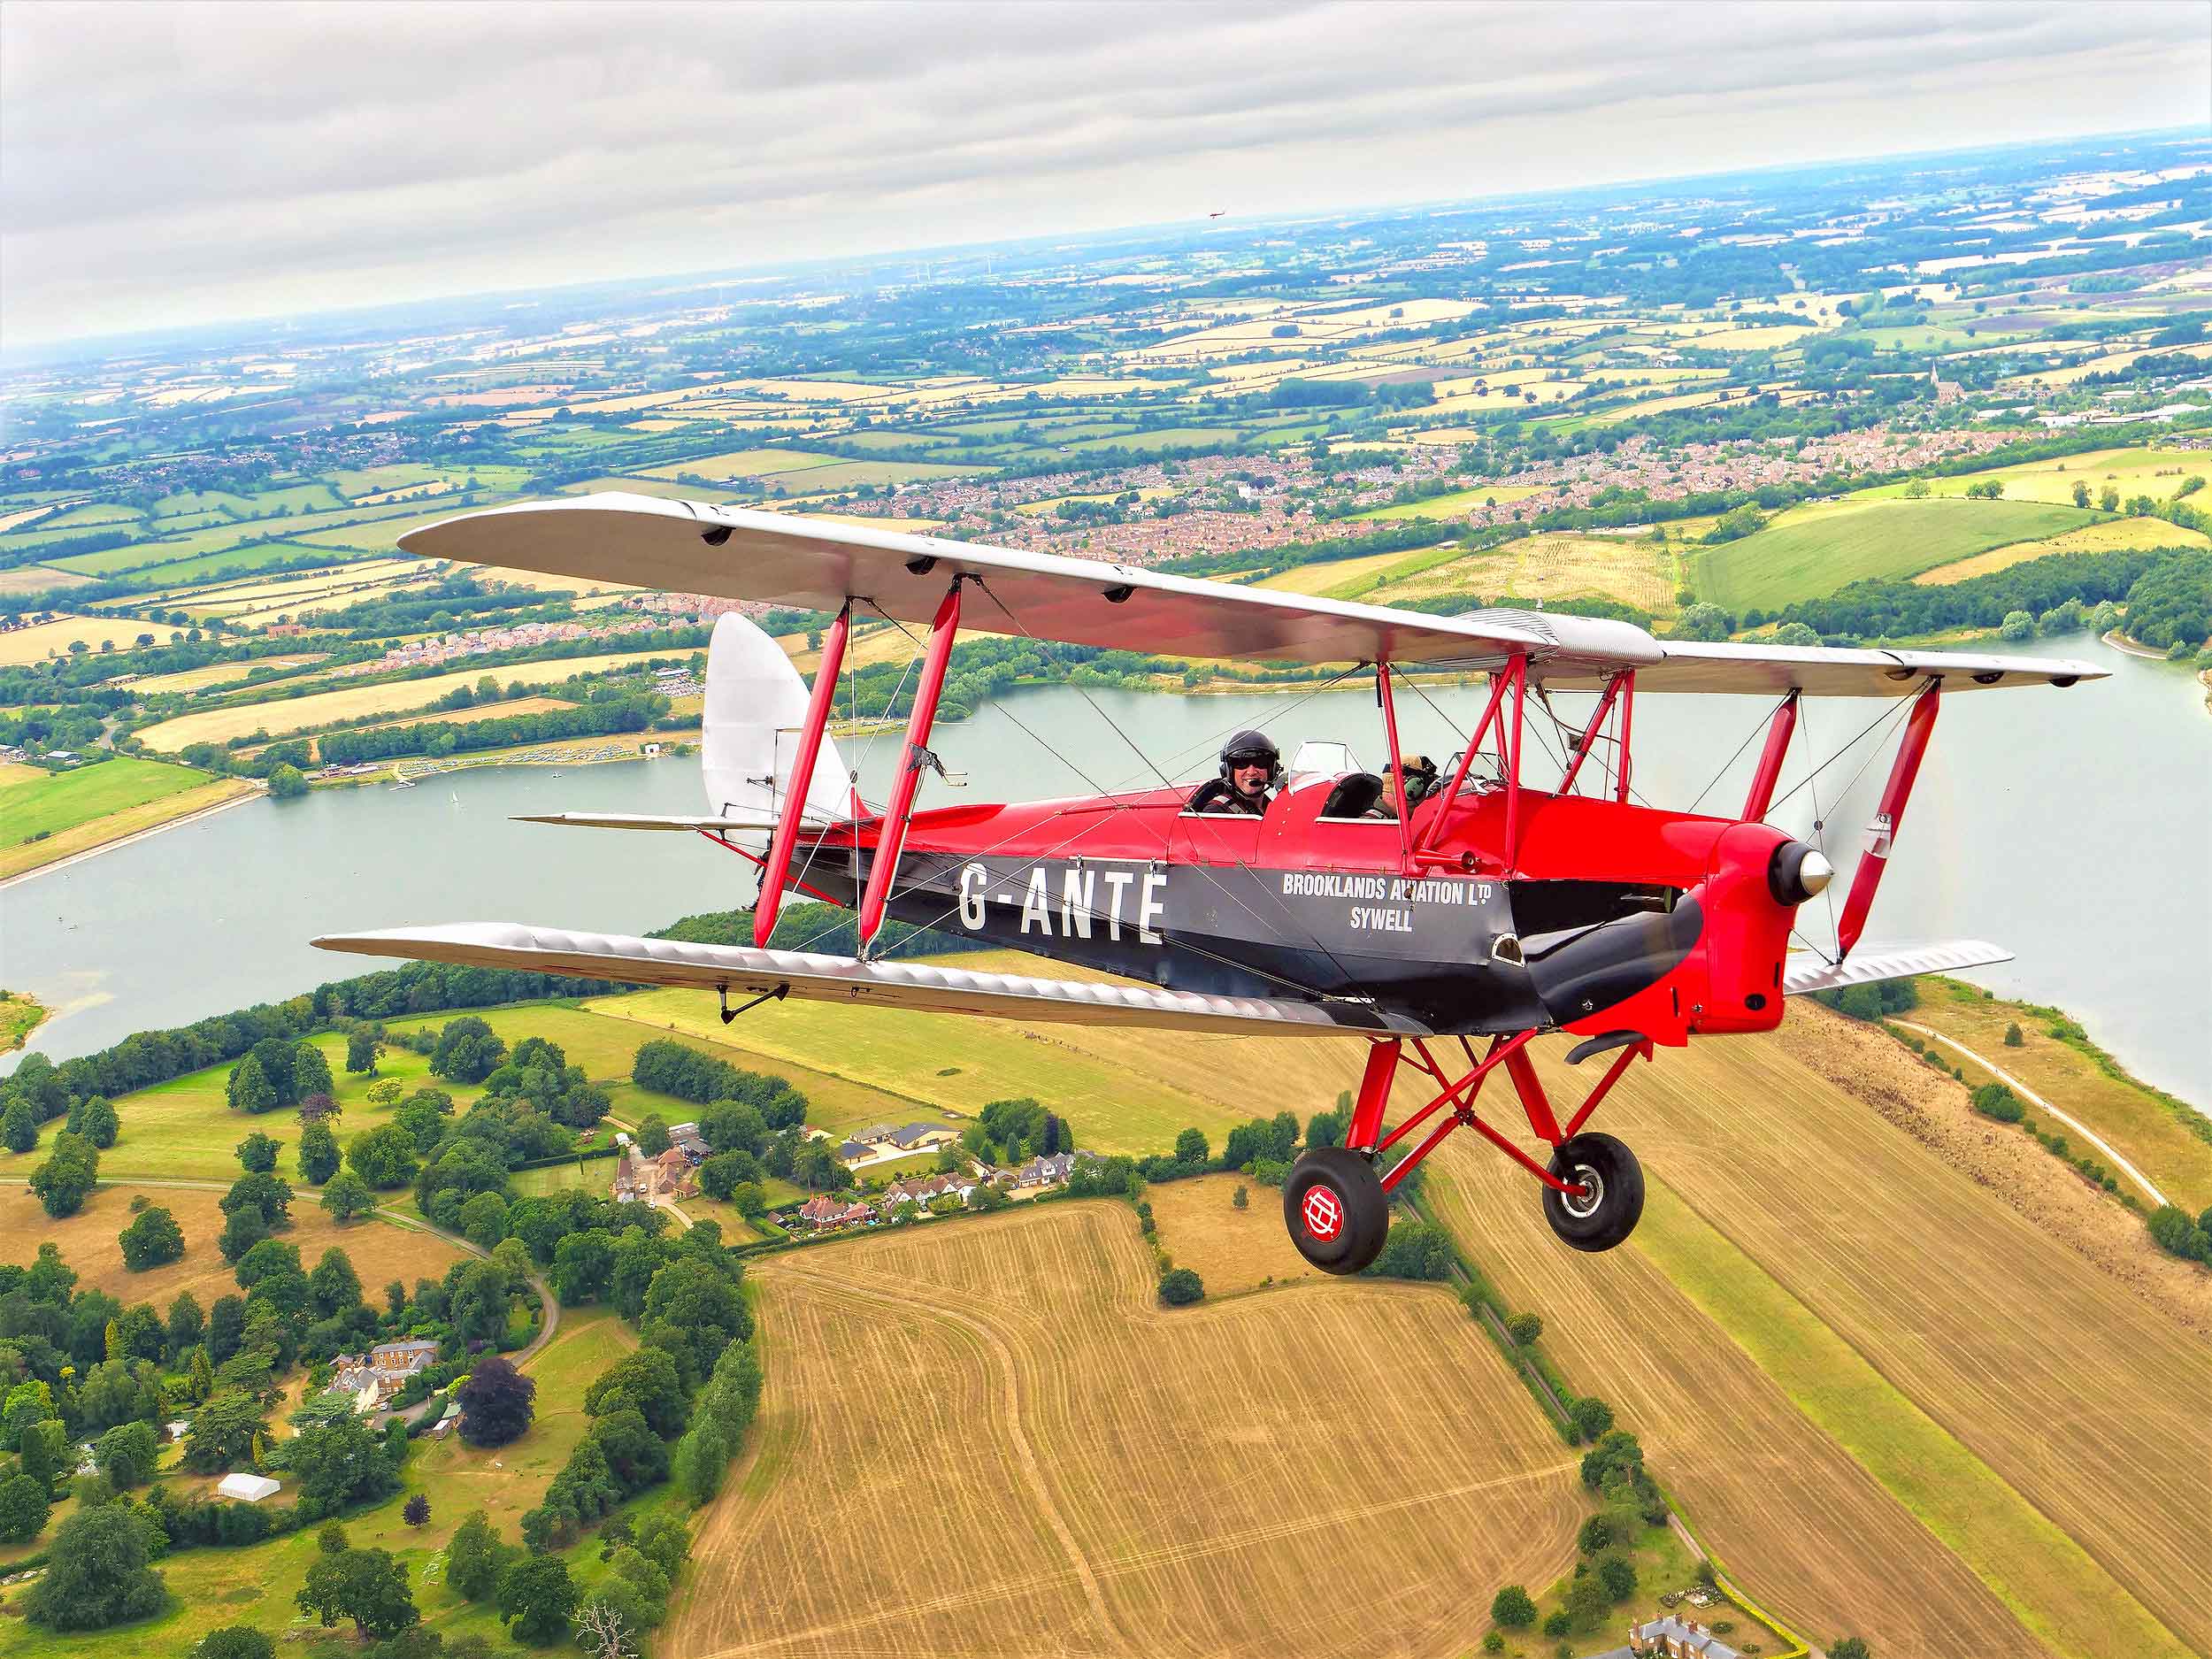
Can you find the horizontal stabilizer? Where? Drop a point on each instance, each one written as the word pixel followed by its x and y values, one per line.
pixel 745 972
pixel 647 821
pixel 1869 964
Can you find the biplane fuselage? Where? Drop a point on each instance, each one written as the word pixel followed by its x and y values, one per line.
pixel 1612 904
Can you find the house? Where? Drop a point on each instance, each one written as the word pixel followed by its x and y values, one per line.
pixel 1047 1171
pixel 373 1378
pixel 823 1211
pixel 692 1143
pixel 875 1134
pixel 921 1137
pixel 854 1152
pixel 1673 1637
pixel 925 1189
pixel 246 1488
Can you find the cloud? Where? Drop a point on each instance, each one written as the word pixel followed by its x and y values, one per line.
pixel 173 163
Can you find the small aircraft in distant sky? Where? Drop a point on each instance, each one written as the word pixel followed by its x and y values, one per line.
pixel 1409 909
pixel 1217 212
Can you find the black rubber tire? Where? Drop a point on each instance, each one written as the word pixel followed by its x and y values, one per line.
pixel 1336 1186
pixel 1599 1222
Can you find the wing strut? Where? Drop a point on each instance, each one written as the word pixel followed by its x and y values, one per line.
pixel 892 837
pixel 1881 833
pixel 1770 773
pixel 777 871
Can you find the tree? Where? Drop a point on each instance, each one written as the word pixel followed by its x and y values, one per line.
pixel 475 1558
pixel 24 1503
pixel 604 1629
pixel 1512 1608
pixel 18 1126
pixel 339 1464
pixel 2013 1038
pixel 234 1641
pixel 1703 622
pixel 1191 1148
pixel 495 1402
pixel 1586 1602
pixel 152 1239
pixel 536 1597
pixel 99 1124
pixel 484 1220
pixel 1179 1288
pixel 2108 499
pixel 1616 1576
pixel 2081 493
pixel 258 1153
pixel 250 1089
pixel 1591 1416
pixel 186 1324
pixel 67 1175
pixel 334 1287
pixel 468 1051
pixel 1917 489
pixel 318 1154
pixel 347 1196
pixel 246 1228
pixel 286 782
pixel 693 1309
pixel 362 1048
pixel 271 1195
pixel 368 1586
pixel 385 1157
pixel 1596 1534
pixel 416 1511
pixel 1240 1198
pixel 582 1266
pixel 2016 626
pixel 126 1455
pixel 652 1135
pixel 97 1573
pixel 223 1433
pixel 649 1379
pixel 1524 1328
pixel 1849 1647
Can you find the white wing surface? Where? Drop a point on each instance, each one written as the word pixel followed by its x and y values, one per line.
pixel 745 973
pixel 1805 972
pixel 737 553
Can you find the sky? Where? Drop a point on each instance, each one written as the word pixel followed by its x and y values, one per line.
pixel 171 164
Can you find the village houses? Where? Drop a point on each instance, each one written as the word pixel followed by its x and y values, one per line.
pixel 373 1378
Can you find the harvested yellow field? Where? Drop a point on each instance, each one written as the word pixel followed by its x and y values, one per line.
pixel 1885 1346
pixel 1320 578
pixel 322 708
pixel 38 579
pixel 1014 1379
pixel 2157 474
pixel 380 1251
pixel 2112 535
pixel 219 673
pixel 251 589
pixel 1202 1228
pixel 1556 565
pixel 43 639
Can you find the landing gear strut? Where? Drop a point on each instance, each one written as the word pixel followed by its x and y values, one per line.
pixel 1337 1207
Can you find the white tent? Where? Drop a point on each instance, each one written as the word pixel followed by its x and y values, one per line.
pixel 251 1488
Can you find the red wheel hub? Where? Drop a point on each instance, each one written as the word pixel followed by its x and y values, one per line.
pixel 1323 1212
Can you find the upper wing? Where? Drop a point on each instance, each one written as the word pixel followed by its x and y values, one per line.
pixel 746 972
pixel 1805 972
pixel 737 553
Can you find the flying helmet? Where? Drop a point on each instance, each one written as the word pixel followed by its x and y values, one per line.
pixel 1251 749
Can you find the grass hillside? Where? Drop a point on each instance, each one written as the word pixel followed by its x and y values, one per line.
pixel 1812 552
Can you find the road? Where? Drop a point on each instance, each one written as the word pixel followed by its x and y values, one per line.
pixel 2036 1100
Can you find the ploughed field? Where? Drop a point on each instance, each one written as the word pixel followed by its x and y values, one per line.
pixel 989 1438
pixel 1893 1400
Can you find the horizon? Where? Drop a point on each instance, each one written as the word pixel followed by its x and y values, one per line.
pixel 235 148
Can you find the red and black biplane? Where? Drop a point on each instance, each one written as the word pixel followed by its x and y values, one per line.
pixel 1456 908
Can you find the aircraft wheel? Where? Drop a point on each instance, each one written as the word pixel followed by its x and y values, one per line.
pixel 1336 1209
pixel 1608 1211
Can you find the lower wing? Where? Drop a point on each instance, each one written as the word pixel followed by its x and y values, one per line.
pixel 741 971
pixel 1806 971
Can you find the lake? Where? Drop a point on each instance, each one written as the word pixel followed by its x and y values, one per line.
pixel 2069 825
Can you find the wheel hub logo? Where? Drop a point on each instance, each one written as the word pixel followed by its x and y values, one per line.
pixel 1324 1214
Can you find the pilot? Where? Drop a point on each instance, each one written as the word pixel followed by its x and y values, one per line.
pixel 1250 767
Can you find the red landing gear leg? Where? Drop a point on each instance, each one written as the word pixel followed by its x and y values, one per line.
pixel 1337 1207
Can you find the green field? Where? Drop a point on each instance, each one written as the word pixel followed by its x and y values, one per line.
pixel 1811 551
pixel 2050 1582
pixel 50 801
